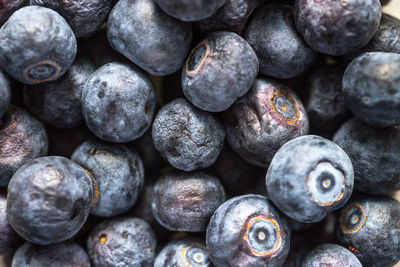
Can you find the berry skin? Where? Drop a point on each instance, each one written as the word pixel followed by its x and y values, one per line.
pixel 118 103
pixel 118 173
pixel 370 227
pixel 309 177
pixel 387 39
pixel 151 39
pixel 5 94
pixel 330 255
pixel 58 103
pixel 36 45
pixel 186 252
pixel 49 199
pixel 189 10
pixel 22 138
pixel 248 231
pixel 231 17
pixel 9 239
pixel 219 70
pixel 375 155
pixel 84 16
pixel 8 7
pixel 371 88
pixel 122 242
pixel 259 123
pixel 189 138
pixel 335 28
pixel 326 108
pixel 66 254
pixel 271 25
pixel 186 201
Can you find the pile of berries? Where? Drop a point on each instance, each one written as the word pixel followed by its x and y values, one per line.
pixel 188 133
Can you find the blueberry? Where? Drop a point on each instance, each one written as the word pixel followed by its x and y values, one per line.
pixel 58 103
pixel 151 39
pixel 9 239
pixel 236 174
pixel 387 38
pixel 122 242
pixel 118 173
pixel 36 45
pixel 188 10
pixel 330 255
pixel 259 123
pixel 118 102
pixel 269 26
pixel 370 227
pixel 248 231
pixel 375 154
pixel 326 108
pixel 8 7
pixel 185 201
pixel 189 138
pixel 22 138
pixel 66 254
pixel 309 177
pixel 336 28
pixel 219 70
pixel 186 252
pixel 371 88
pixel 231 17
pixel 84 16
pixel 49 199
pixel 5 94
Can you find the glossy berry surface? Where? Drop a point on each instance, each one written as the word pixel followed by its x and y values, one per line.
pixel 189 138
pixel 84 16
pixel 186 252
pixel 309 177
pixel 189 10
pixel 371 88
pixel 186 201
pixel 259 123
pixel 118 173
pixel 232 17
pixel 335 28
pixel 326 108
pixel 49 199
pixel 375 155
pixel 58 103
pixel 9 239
pixel 370 227
pixel 271 25
pixel 248 231
pixel 36 45
pixel 219 69
pixel 118 102
pixel 22 138
pixel 330 255
pixel 5 93
pixel 67 254
pixel 151 39
pixel 122 242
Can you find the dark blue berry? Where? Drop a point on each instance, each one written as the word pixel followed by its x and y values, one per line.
pixel 36 45
pixel 49 199
pixel 151 39
pixel 309 177
pixel 5 94
pixel 118 173
pixel 248 231
pixel 330 255
pixel 219 70
pixel 185 201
